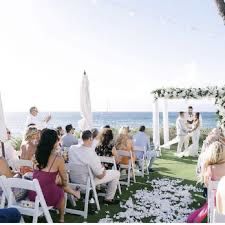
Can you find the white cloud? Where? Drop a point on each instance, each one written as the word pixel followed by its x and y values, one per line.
pixel 132 13
pixel 94 2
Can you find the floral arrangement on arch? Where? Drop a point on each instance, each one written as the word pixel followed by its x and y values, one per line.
pixel 196 93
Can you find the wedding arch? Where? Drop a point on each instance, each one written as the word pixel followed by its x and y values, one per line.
pixel 184 93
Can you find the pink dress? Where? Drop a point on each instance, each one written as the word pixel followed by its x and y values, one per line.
pixel 53 193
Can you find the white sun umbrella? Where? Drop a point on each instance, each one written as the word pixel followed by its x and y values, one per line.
pixel 86 122
pixel 3 132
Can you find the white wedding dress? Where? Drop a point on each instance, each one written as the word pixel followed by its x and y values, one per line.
pixel 192 150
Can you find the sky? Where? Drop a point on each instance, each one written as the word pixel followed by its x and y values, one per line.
pixel 127 47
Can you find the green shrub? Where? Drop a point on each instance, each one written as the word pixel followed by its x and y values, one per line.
pixel 16 143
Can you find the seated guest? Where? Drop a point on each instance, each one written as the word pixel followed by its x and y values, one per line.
pixel 84 155
pixel 95 140
pixel 141 139
pixel 29 145
pixel 213 162
pixel 107 126
pixel 60 131
pixel 213 169
pixel 10 215
pixel 69 139
pixel 9 153
pixel 48 165
pixel 9 135
pixel 124 142
pixel 215 135
pixel 106 147
pixel 4 168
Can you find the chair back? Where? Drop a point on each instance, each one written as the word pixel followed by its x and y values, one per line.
pixel 140 152
pixel 31 185
pixel 18 163
pixel 211 195
pixel 139 149
pixel 124 153
pixel 78 173
pixel 107 159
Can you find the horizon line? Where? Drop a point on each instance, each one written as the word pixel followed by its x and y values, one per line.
pixel 101 111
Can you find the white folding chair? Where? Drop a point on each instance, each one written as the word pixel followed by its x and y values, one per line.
pixel 213 215
pixel 144 162
pixel 81 175
pixel 129 167
pixel 3 196
pixel 29 208
pixel 112 160
pixel 18 163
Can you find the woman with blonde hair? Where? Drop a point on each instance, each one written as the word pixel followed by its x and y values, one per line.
pixel 215 135
pixel 29 145
pixel 213 163
pixel 213 169
pixel 124 142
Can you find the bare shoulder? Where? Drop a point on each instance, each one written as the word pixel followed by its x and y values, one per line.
pixel 58 158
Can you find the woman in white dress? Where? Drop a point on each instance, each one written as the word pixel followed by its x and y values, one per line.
pixel 192 150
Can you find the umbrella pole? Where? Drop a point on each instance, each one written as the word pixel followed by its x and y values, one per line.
pixel 3 148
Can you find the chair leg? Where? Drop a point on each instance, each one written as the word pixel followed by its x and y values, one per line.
pixel 133 172
pixel 143 167
pixel 35 218
pixel 96 198
pixel 128 175
pixel 66 197
pixel 86 201
pixel 22 219
pixel 119 187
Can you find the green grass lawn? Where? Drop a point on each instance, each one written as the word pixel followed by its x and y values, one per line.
pixel 167 166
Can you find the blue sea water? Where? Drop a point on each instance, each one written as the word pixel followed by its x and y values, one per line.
pixel 16 120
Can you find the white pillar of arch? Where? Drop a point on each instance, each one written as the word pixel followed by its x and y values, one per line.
pixel 165 122
pixel 155 125
pixel 2 123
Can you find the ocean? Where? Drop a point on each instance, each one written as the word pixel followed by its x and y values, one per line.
pixel 15 121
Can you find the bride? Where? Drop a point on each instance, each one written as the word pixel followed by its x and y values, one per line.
pixel 192 150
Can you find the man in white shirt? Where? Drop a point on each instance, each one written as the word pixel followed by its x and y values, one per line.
pixel 189 121
pixel 182 131
pixel 84 155
pixel 33 118
pixel 141 139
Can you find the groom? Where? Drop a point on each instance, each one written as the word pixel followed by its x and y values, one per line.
pixel 182 131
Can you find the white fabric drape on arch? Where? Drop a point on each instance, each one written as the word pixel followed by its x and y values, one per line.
pixel 165 121
pixel 86 122
pixel 155 118
pixel 3 132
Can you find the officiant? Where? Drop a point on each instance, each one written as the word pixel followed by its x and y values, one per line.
pixel 189 122
pixel 34 119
